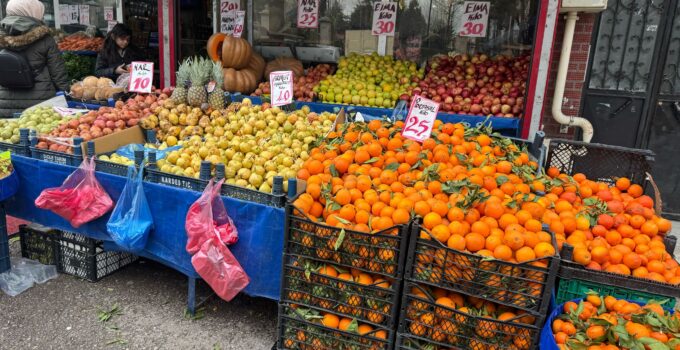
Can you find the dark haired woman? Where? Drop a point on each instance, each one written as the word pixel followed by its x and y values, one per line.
pixel 117 53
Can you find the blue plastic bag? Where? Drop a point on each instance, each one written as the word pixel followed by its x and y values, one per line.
pixel 131 219
pixel 128 151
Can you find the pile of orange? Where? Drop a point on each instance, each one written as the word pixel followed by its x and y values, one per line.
pixel 612 228
pixel 465 322
pixel 607 323
pixel 472 190
pixel 350 293
pixel 313 338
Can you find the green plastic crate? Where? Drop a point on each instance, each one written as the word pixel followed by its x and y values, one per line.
pixel 570 289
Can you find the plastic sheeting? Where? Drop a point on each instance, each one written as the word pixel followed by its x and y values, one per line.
pixel 259 249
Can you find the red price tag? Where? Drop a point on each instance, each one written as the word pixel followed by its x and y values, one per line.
pixel 141 77
pixel 281 88
pixel 475 19
pixel 384 18
pixel 308 14
pixel 420 119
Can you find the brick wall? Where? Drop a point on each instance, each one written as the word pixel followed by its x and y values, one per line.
pixel 575 78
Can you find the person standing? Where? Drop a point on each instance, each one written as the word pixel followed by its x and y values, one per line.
pixel 117 54
pixel 24 38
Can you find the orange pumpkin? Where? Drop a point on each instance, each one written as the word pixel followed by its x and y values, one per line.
pixel 243 80
pixel 284 63
pixel 257 65
pixel 214 46
pixel 236 52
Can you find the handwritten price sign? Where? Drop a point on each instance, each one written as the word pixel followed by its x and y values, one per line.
pixel 475 20
pixel 239 18
pixel 108 13
pixel 420 119
pixel 141 77
pixel 384 18
pixel 228 10
pixel 85 15
pixel 308 14
pixel 282 88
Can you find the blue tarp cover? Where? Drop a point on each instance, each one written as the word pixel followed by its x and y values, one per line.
pixel 260 228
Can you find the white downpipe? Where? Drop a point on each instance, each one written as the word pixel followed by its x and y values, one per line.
pixel 562 71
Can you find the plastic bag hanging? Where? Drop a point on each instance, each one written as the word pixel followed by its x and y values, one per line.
pixel 80 199
pixel 131 219
pixel 219 268
pixel 208 217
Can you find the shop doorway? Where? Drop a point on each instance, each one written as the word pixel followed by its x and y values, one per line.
pixel 194 26
pixel 632 93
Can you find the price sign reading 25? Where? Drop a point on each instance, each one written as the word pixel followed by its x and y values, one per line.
pixel 420 119
pixel 141 77
pixel 281 88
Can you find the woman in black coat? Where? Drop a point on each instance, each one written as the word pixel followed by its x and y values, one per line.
pixel 23 31
pixel 117 53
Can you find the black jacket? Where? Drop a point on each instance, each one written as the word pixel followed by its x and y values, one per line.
pixel 33 39
pixel 107 63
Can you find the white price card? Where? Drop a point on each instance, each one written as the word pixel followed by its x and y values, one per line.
pixel 64 14
pixel 384 18
pixel 65 112
pixel 108 13
pixel 73 15
pixel 85 15
pixel 239 18
pixel 228 10
pixel 420 119
pixel 110 25
pixel 141 77
pixel 282 88
pixel 475 19
pixel 308 14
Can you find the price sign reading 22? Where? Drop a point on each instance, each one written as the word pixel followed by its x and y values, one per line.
pixel 420 119
pixel 141 77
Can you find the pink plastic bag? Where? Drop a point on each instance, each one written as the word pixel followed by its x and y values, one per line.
pixel 207 218
pixel 220 269
pixel 80 199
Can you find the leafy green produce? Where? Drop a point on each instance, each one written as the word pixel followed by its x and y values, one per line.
pixel 78 66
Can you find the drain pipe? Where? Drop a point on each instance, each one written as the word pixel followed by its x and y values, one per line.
pixel 562 71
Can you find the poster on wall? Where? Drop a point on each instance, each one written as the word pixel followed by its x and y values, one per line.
pixel 475 19
pixel 308 14
pixel 228 10
pixel 384 18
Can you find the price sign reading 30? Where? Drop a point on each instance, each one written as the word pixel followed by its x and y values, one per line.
pixel 420 119
pixel 141 77
pixel 384 18
pixel 282 88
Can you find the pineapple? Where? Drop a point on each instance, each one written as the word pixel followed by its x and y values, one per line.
pixel 179 95
pixel 216 97
pixel 199 72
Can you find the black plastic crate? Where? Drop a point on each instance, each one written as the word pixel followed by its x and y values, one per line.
pixel 535 148
pixel 375 302
pixel 85 257
pixel 424 324
pixel 21 148
pixel 600 162
pixel 56 157
pixel 307 333
pixel 39 243
pixel 525 286
pixel 574 277
pixel 156 176
pixel 381 253
pixel 255 196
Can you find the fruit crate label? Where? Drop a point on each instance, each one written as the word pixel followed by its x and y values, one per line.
pixel 108 13
pixel 282 88
pixel 141 77
pixel 239 18
pixel 475 19
pixel 85 15
pixel 308 14
pixel 420 119
pixel 384 18
pixel 228 10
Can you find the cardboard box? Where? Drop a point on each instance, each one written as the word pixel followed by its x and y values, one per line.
pixel 112 142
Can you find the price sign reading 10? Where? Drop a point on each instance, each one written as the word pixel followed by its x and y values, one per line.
pixel 281 88
pixel 141 77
